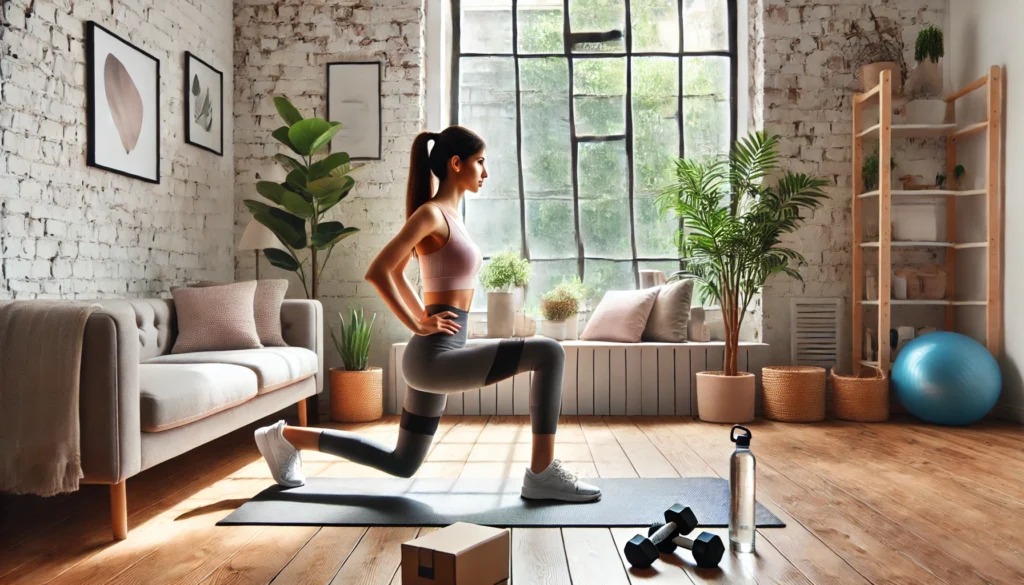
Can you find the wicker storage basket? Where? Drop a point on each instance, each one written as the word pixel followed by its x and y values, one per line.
pixel 861 399
pixel 357 396
pixel 794 393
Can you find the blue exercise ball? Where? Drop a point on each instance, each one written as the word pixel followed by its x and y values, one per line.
pixel 946 378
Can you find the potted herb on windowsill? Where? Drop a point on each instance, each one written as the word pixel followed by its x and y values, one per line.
pixel 504 277
pixel 560 308
pixel 357 390
pixel 730 245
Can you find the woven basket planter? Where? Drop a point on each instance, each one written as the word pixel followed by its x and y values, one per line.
pixel 861 399
pixel 357 396
pixel 794 393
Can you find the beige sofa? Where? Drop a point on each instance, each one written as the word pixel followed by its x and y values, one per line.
pixel 140 405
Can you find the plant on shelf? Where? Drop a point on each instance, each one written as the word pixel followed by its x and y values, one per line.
pixel 731 242
pixel 869 170
pixel 504 277
pixel 314 185
pixel 958 173
pixel 926 79
pixel 357 389
pixel 929 45
pixel 880 49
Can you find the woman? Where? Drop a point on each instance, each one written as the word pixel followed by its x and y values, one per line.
pixel 437 360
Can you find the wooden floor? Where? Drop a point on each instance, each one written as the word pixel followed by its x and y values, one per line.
pixel 899 503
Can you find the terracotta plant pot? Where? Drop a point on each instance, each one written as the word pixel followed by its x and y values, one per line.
pixel 357 395
pixel 725 399
pixel 868 74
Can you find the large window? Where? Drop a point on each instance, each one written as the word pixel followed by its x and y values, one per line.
pixel 583 111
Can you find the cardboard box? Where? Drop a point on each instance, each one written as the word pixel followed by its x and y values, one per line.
pixel 459 554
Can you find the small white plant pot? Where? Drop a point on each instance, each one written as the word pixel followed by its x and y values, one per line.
pixel 553 329
pixel 926 111
pixel 572 326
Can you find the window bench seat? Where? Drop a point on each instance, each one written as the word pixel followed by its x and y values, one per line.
pixel 601 378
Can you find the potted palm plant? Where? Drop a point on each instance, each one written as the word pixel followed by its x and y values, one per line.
pixel 730 245
pixel 356 390
pixel 504 277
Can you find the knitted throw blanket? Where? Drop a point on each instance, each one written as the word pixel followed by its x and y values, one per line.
pixel 40 362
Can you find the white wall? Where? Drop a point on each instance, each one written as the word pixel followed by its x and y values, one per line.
pixel 983 33
pixel 72 231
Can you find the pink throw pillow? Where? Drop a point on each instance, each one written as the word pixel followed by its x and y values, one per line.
pixel 621 315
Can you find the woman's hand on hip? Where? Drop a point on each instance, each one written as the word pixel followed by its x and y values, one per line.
pixel 439 323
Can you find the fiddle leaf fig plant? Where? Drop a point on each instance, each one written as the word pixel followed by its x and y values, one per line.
pixel 315 183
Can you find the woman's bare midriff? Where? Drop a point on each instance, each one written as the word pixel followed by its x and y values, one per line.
pixel 455 298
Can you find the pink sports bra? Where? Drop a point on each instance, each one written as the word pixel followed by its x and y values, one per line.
pixel 455 265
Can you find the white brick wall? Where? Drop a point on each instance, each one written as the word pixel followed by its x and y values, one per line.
pixel 807 87
pixel 282 49
pixel 73 231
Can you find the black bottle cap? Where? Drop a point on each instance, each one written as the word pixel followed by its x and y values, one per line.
pixel 742 440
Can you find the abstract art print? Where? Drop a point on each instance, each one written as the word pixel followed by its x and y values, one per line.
pixel 123 86
pixel 353 98
pixel 204 105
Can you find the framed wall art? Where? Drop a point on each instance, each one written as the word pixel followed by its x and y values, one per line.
pixel 354 99
pixel 204 105
pixel 123 89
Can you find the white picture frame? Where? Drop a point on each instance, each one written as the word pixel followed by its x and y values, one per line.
pixel 354 99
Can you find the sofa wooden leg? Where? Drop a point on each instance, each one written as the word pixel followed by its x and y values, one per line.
pixel 302 413
pixel 119 510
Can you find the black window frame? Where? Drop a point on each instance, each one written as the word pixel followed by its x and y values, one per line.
pixel 569 39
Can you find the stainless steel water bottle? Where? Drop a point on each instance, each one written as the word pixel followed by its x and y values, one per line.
pixel 741 493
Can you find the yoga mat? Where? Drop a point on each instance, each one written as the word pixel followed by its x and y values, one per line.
pixel 326 501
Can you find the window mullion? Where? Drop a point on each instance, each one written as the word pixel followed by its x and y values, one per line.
pixel 574 151
pixel 524 245
pixel 629 144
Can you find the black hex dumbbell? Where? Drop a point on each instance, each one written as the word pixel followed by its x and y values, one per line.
pixel 641 551
pixel 707 548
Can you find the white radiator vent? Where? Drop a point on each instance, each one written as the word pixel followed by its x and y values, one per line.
pixel 814 331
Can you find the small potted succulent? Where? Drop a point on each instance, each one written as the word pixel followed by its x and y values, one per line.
pixel 505 278
pixel 357 389
pixel 558 306
pixel 925 82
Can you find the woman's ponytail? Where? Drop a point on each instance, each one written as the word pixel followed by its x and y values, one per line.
pixel 419 189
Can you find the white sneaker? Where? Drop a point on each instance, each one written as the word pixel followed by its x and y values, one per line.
pixel 557 483
pixel 284 460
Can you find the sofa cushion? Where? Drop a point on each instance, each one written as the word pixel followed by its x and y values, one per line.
pixel 172 395
pixel 266 308
pixel 216 318
pixel 274 366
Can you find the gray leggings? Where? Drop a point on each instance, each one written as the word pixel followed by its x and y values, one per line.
pixel 439 364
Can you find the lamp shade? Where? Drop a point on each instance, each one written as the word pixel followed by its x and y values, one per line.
pixel 258 236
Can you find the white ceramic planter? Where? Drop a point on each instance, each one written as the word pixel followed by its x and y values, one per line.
pixel 926 111
pixel 572 326
pixel 553 329
pixel 500 314
pixel 725 399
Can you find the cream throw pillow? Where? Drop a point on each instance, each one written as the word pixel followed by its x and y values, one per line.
pixel 266 308
pixel 670 315
pixel 620 316
pixel 215 318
